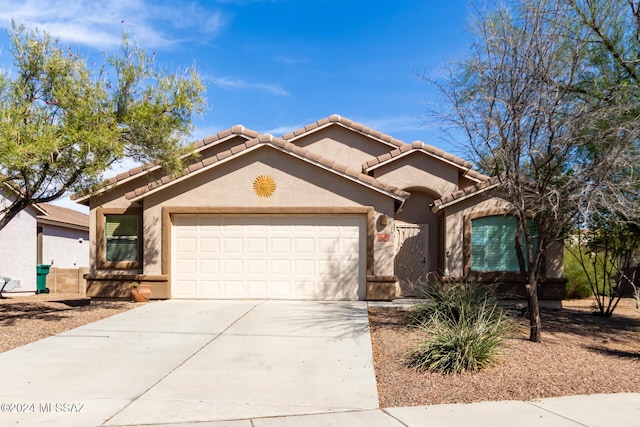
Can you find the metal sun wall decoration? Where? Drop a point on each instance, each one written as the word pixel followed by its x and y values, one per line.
pixel 264 186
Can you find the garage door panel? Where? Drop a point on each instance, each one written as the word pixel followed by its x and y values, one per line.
pixel 327 245
pixel 304 267
pixel 257 266
pixel 186 223
pixel 280 245
pixel 186 266
pixel 257 288
pixel 232 245
pixel 304 245
pixel 209 245
pixel 209 266
pixel 304 289
pixel 280 288
pixel 186 245
pixel 281 267
pixel 210 288
pixel 209 224
pixel 232 288
pixel 251 256
pixel 232 266
pixel 257 245
pixel 187 288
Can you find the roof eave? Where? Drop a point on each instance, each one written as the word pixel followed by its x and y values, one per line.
pixel 201 145
pixel 463 168
pixel 62 224
pixel 396 194
pixel 336 119
pixel 438 208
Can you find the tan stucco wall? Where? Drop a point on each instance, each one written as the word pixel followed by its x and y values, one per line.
pixel 230 186
pixel 454 220
pixel 420 170
pixel 454 228
pixel 345 146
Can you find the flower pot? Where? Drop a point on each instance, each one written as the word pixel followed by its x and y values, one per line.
pixel 141 293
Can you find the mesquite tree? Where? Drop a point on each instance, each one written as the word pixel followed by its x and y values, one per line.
pixel 547 109
pixel 64 120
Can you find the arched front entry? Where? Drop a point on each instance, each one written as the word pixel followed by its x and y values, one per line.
pixel 416 240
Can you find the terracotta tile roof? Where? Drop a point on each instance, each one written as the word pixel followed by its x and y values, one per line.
pixel 279 144
pixel 346 123
pixel 421 147
pixel 210 141
pixel 465 193
pixel 62 216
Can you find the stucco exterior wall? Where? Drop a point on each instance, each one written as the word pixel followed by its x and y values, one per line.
pixel 298 184
pixel 64 247
pixel 454 228
pixel 18 250
pixel 454 220
pixel 420 170
pixel 343 145
pixel 230 186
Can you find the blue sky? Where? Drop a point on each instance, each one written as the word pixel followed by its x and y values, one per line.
pixel 277 65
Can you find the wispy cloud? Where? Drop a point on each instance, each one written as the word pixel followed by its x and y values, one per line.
pixel 234 83
pixel 289 61
pixel 99 24
pixel 391 125
pixel 284 129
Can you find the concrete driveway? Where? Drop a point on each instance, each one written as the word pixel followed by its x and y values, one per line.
pixel 195 361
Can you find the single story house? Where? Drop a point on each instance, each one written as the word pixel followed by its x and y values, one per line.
pixel 334 211
pixel 63 236
pixel 41 234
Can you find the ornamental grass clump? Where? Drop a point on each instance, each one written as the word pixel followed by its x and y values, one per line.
pixel 465 329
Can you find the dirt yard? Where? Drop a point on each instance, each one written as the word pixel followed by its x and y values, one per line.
pixel 27 319
pixel 580 354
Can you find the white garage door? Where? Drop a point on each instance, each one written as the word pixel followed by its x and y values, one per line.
pixel 252 256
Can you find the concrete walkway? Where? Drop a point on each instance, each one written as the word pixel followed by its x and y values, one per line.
pixel 243 364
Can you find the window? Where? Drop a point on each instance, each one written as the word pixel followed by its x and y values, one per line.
pixel 121 238
pixel 493 243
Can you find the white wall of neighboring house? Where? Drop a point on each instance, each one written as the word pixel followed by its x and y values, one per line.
pixel 65 247
pixel 18 250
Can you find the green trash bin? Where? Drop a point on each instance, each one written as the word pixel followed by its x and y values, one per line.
pixel 42 270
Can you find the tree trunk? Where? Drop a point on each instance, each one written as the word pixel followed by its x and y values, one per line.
pixel 534 311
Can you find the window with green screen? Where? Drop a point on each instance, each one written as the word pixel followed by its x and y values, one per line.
pixel 121 237
pixel 493 243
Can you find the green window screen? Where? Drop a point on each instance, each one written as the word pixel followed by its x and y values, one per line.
pixel 121 232
pixel 493 243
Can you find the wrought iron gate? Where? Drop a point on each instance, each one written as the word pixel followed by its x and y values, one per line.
pixel 412 257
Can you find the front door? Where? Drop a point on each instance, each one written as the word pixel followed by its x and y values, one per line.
pixel 412 256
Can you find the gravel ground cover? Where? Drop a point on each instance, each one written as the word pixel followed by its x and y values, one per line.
pixel 26 319
pixel 580 354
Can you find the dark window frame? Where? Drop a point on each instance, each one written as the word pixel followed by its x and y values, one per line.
pixel 101 239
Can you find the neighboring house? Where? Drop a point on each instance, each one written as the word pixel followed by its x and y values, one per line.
pixel 63 237
pixel 41 234
pixel 18 247
pixel 335 210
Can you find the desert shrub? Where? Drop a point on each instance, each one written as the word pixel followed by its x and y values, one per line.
pixel 449 299
pixel 465 329
pixel 577 281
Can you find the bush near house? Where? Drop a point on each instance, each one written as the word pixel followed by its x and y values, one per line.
pixel 465 328
pixel 577 280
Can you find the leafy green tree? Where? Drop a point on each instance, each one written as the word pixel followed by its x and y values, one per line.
pixel 548 100
pixel 64 121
